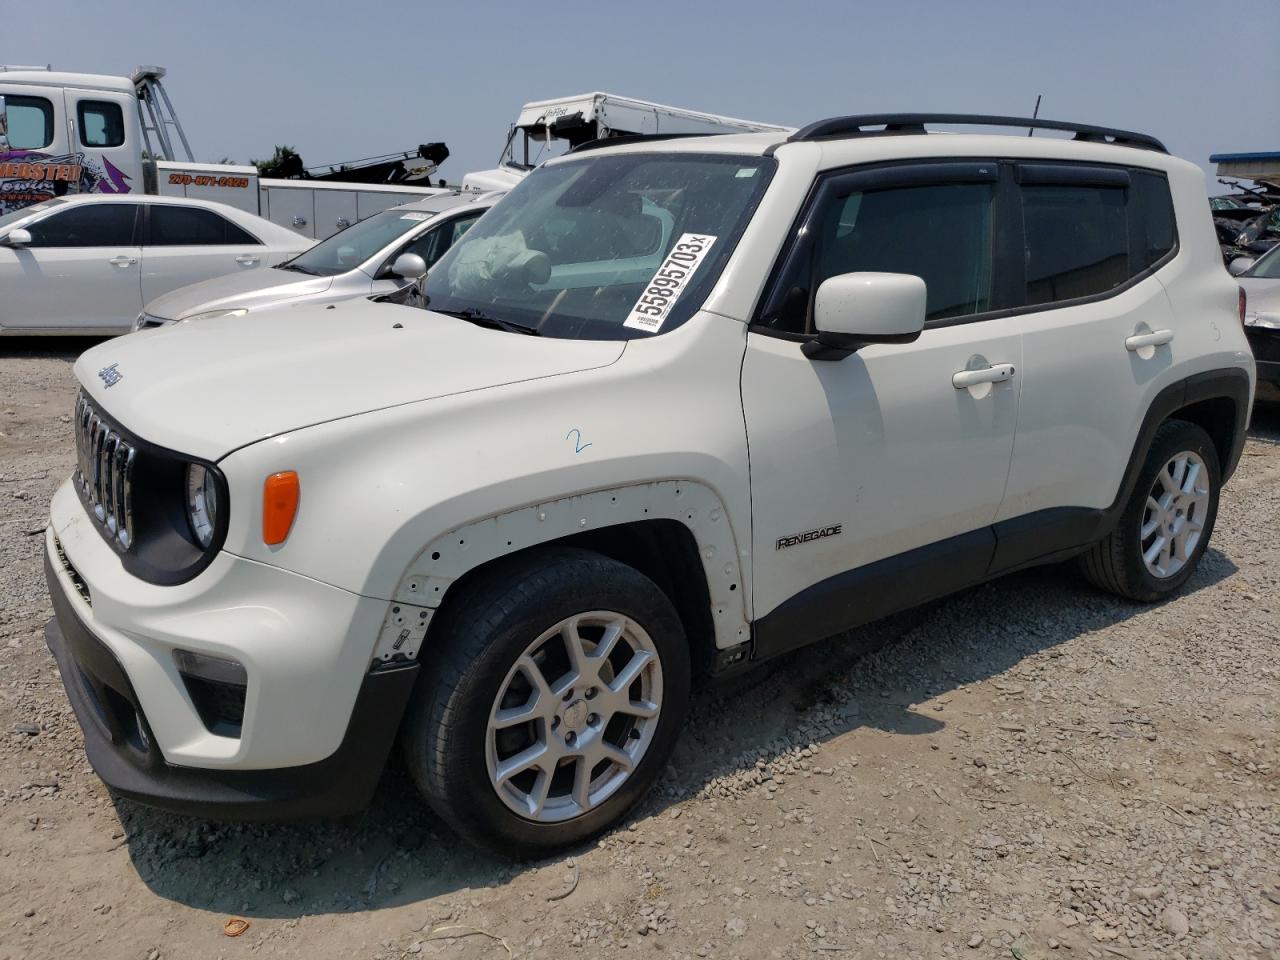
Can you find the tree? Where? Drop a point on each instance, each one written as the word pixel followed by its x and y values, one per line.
pixel 284 162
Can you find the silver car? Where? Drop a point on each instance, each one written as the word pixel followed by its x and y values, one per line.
pixel 378 256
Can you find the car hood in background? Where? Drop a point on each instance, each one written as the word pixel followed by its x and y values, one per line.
pixel 210 387
pixel 1261 295
pixel 249 288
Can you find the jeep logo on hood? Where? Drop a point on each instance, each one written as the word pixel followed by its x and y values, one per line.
pixel 110 375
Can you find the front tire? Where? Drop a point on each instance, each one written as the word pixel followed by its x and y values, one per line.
pixel 553 695
pixel 1166 525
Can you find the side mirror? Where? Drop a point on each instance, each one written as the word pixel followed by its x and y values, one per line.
pixel 410 266
pixel 4 127
pixel 16 237
pixel 853 310
pixel 1239 265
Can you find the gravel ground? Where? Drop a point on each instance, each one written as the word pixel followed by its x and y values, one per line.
pixel 1030 769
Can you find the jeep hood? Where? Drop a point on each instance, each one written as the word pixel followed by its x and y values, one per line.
pixel 210 387
pixel 248 289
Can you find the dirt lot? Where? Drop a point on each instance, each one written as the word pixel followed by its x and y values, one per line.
pixel 1029 770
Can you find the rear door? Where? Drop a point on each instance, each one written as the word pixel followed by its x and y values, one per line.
pixel 184 245
pixel 1098 341
pixel 80 272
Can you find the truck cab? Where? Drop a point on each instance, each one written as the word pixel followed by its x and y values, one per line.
pixel 66 133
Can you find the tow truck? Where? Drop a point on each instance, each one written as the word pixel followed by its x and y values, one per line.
pixel 66 133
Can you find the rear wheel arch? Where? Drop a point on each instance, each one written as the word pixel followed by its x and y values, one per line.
pixel 1216 401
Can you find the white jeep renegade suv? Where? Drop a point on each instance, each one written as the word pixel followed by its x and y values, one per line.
pixel 671 407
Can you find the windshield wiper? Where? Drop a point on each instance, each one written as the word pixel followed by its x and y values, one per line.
pixel 472 315
pixel 290 265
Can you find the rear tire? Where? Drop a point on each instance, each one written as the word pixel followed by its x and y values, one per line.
pixel 1166 525
pixel 523 746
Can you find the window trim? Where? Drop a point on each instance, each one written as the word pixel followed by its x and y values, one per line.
pixel 1008 280
pixel 80 128
pixel 144 234
pixel 134 236
pixel 50 117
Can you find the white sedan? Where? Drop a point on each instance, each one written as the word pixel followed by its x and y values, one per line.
pixel 87 264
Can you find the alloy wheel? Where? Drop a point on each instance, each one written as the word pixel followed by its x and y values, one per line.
pixel 574 716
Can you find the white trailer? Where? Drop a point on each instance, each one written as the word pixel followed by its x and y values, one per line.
pixel 545 128
pixel 66 133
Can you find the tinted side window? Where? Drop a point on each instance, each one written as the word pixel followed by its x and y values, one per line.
pixel 1077 241
pixel 30 122
pixel 87 225
pixel 1153 224
pixel 173 226
pixel 101 123
pixel 942 233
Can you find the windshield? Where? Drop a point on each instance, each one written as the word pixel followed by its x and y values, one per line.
pixel 353 246
pixel 11 218
pixel 1268 265
pixel 602 248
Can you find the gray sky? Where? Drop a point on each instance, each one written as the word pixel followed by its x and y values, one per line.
pixel 343 80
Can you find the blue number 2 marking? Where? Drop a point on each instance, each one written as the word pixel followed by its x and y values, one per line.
pixel 578 445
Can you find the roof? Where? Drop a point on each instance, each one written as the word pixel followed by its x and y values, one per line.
pixel 870 148
pixel 535 112
pixel 50 78
pixel 1244 157
pixel 448 201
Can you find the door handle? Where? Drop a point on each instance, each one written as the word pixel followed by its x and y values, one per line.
pixel 246 259
pixel 122 261
pixel 1155 338
pixel 996 373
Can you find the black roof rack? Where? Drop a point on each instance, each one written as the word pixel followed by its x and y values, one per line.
pixel 838 128
pixel 630 138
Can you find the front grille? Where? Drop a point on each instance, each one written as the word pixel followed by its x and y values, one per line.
pixel 104 472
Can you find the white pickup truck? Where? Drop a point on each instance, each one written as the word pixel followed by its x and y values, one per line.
pixel 66 133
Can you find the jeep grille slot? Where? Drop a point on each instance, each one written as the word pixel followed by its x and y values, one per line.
pixel 104 473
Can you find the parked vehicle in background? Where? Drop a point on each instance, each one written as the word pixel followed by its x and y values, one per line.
pixel 68 133
pixel 669 408
pixel 547 128
pixel 85 264
pixel 1260 281
pixel 375 257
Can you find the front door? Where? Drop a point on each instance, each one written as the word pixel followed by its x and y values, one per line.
pixel 79 273
pixel 875 478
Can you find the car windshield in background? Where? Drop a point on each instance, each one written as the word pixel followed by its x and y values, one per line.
pixel 353 246
pixel 1268 265
pixel 16 215
pixel 605 247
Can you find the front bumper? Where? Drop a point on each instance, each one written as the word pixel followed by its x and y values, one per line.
pixel 123 750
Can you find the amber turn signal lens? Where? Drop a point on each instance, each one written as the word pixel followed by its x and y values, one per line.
pixel 279 505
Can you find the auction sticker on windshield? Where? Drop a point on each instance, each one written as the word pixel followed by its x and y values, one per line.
pixel 674 273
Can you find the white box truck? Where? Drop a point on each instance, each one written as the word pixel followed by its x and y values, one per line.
pixel 65 133
pixel 545 128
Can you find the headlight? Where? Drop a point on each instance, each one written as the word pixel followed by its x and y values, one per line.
pixel 202 503
pixel 215 314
